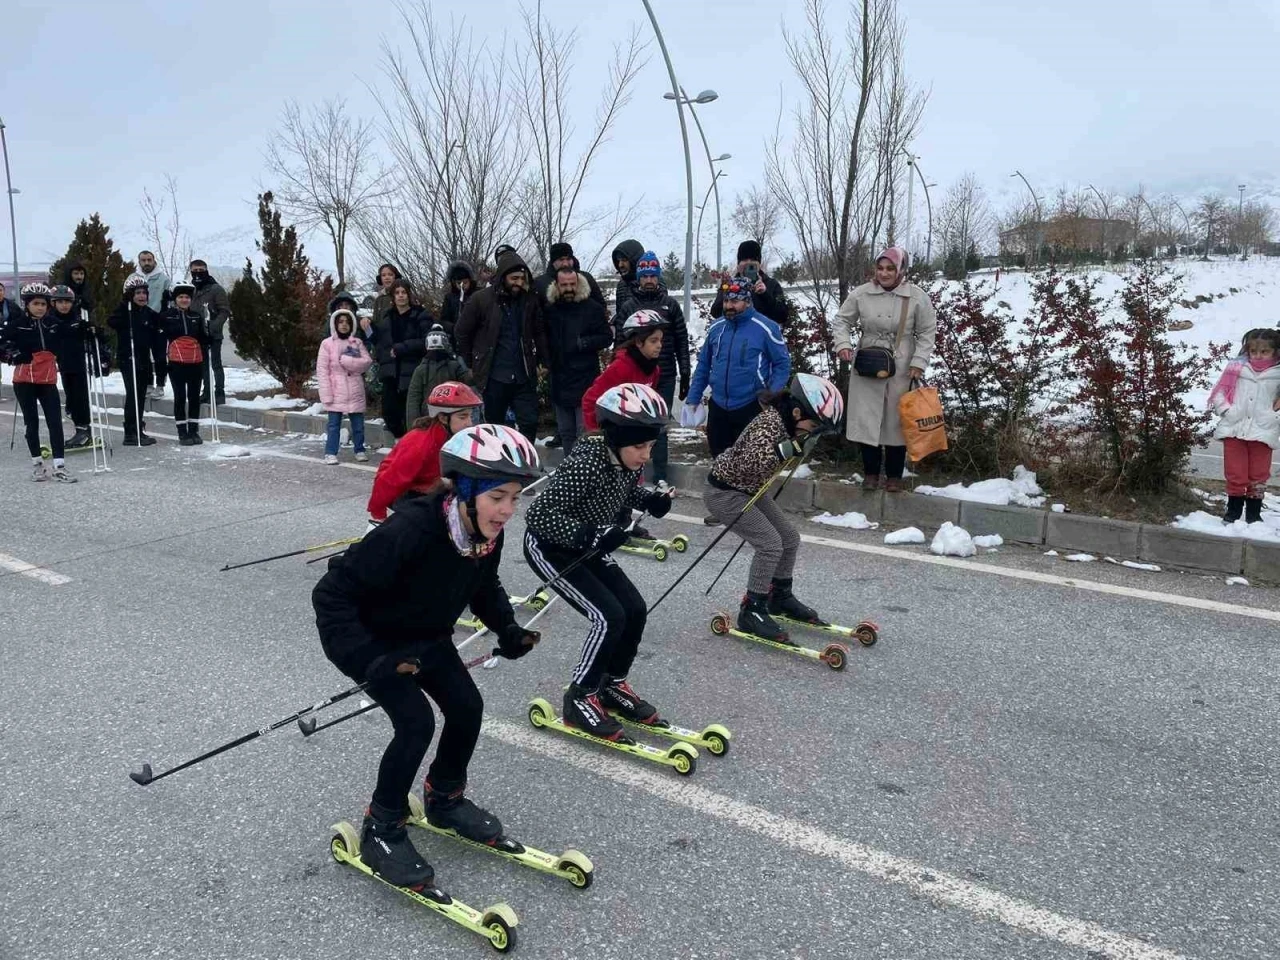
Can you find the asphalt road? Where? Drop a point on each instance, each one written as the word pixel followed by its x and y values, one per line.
pixel 1018 768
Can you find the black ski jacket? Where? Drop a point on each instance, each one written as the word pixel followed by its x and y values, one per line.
pixel 132 322
pixel 675 340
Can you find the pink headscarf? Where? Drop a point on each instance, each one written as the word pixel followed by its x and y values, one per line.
pixel 897 256
pixel 1223 393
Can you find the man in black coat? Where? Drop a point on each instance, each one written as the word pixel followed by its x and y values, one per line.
pixel 211 301
pixel 625 257
pixel 767 296
pixel 577 331
pixel 561 256
pixel 74 277
pixel 651 294
pixel 502 337
pixel 399 344
pixel 460 282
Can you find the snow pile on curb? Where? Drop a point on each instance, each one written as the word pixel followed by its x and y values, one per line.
pixel 1080 557
pixel 278 402
pixel 802 472
pixel 228 451
pixel 1133 564
pixel 850 521
pixel 905 535
pixel 952 541
pixel 1237 582
pixel 994 540
pixel 1022 490
pixel 1201 522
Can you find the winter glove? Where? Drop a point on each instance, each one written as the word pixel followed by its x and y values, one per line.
pixel 388 666
pixel 515 641
pixel 657 504
pixel 604 540
pixel 683 392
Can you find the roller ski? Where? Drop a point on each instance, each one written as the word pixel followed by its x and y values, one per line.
pixel 391 858
pixel 589 720
pixel 755 624
pixel 535 601
pixel 784 608
pixel 655 547
pixel 572 865
pixel 626 706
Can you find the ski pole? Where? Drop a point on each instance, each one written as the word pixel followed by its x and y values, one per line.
pixel 146 776
pixel 291 553
pixel 13 433
pixel 736 550
pixel 214 433
pixel 308 725
pixel 327 556
pixel 720 536
pixel 102 393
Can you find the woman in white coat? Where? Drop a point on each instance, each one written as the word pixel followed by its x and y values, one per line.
pixel 877 309
pixel 1246 398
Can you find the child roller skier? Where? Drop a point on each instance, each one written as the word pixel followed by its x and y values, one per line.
pixel 185 338
pixel 439 365
pixel 786 421
pixel 637 360
pixel 412 469
pixel 31 341
pixel 71 363
pixel 386 610
pixel 1245 397
pixel 576 516
pixel 134 323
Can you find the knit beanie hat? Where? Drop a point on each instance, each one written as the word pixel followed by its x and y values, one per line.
pixel 559 251
pixel 749 250
pixel 648 265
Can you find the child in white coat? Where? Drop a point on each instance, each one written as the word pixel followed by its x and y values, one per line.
pixel 1246 398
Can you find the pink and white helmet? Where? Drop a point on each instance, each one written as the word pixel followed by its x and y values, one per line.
pixel 644 322
pixel 819 398
pixel 490 451
pixel 632 404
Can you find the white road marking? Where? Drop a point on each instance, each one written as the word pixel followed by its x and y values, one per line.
pixel 941 888
pixel 1213 606
pixel 14 565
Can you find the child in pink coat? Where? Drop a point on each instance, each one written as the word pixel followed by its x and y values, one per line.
pixel 340 367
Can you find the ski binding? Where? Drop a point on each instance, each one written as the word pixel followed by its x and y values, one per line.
pixel 866 632
pixel 681 757
pixel 834 655
pixel 714 736
pixel 656 548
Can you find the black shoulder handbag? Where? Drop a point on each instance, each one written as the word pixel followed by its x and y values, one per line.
pixel 879 362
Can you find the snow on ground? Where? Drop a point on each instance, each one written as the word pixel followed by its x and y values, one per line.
pixel 992 540
pixel 1080 557
pixel 1201 522
pixel 952 541
pixel 278 402
pixel 1133 564
pixel 1237 582
pixel 905 535
pixel 1021 490
pixel 1058 507
pixel 802 472
pixel 228 451
pixel 850 521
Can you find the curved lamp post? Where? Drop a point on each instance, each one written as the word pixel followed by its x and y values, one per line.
pixel 706 96
pixel 1039 214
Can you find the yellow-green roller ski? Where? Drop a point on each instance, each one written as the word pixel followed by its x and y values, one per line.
pixel 656 548
pixel 680 756
pixel 834 655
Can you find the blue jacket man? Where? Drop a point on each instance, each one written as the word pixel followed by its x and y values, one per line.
pixel 742 354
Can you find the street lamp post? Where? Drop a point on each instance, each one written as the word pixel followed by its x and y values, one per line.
pixel 1039 214
pixel 1244 251
pixel 1106 215
pixel 1185 219
pixel 697 233
pixel 688 164
pixel 13 222
pixel 706 96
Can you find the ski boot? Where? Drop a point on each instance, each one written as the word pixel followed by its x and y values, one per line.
pixel 60 474
pixel 193 433
pixel 620 699
pixel 40 473
pixel 139 440
pixel 782 602
pixel 753 618
pixel 450 810
pixel 184 435
pixel 387 850
pixel 1253 509
pixel 80 439
pixel 1235 509
pixel 584 711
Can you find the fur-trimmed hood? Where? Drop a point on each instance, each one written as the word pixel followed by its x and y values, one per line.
pixel 581 292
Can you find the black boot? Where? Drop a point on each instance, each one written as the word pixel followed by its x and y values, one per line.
pixel 145 441
pixel 387 851
pixel 184 435
pixel 82 438
pixel 616 695
pixel 450 810
pixel 782 602
pixel 1253 509
pixel 1235 508
pixel 584 711
pixel 753 618
pixel 193 432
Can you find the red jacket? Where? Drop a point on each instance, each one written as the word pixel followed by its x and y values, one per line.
pixel 414 464
pixel 624 369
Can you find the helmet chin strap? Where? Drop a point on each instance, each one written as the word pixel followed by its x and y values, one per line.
pixel 474 515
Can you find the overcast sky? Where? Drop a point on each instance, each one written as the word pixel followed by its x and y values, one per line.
pixel 101 99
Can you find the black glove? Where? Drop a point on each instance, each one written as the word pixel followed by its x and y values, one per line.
pixel 657 504
pixel 383 667
pixel 607 539
pixel 683 392
pixel 515 641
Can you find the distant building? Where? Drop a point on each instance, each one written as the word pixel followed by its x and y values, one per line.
pixel 1066 232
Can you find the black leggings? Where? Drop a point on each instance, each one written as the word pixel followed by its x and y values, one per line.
pixel 394 400
pixel 894 459
pixel 159 360
pixel 442 677
pixel 46 395
pixel 187 379
pixel 75 383
pixel 601 592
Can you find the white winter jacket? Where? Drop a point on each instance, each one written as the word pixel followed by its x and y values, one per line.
pixel 1250 417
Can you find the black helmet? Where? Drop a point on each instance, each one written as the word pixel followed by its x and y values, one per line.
pixel 342 297
pixel 61 292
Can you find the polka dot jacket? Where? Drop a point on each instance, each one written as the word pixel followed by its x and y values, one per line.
pixel 585 493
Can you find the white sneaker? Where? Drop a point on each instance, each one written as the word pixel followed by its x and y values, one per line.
pixel 362 457
pixel 40 473
pixel 331 459
pixel 663 487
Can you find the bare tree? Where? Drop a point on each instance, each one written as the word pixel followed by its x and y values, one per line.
pixel 964 219
pixel 325 172
pixel 552 188
pixel 757 214
pixel 1211 215
pixel 162 226
pixel 856 113
pixel 458 139
pixel 1257 225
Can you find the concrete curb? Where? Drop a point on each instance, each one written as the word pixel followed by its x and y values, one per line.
pixel 1153 543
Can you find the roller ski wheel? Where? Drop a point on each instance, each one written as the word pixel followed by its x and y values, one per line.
pixel 646 548
pixel 834 655
pixel 497 924
pixel 680 756
pixel 714 736
pixel 680 543
pixel 572 865
pixel 46 453
pixel 469 623
pixel 866 632
pixel 535 601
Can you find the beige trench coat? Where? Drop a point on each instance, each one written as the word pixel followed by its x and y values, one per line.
pixel 873 404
